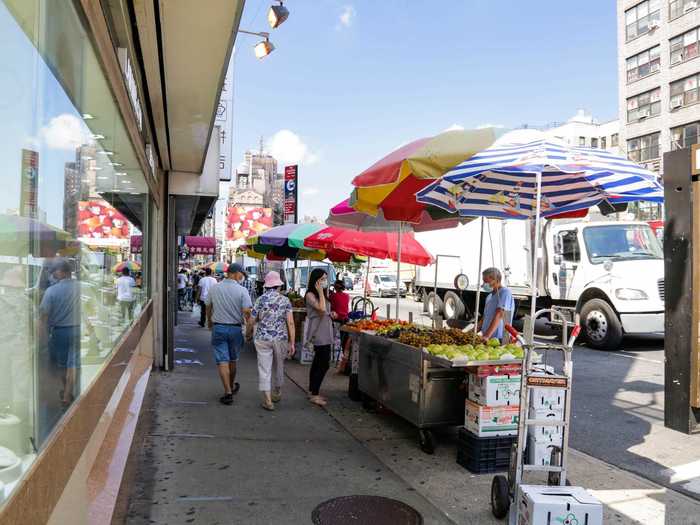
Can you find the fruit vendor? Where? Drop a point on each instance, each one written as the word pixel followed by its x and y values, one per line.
pixel 499 305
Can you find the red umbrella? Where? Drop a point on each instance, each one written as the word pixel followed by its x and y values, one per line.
pixel 380 245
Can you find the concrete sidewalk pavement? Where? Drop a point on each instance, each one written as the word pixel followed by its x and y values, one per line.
pixel 198 461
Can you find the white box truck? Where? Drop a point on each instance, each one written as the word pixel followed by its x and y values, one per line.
pixel 611 272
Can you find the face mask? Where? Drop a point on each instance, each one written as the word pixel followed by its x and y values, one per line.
pixel 324 283
pixel 487 287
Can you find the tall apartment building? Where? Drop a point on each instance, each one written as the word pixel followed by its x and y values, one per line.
pixel 659 71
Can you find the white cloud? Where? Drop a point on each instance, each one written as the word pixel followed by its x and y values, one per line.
pixel 488 125
pixel 347 15
pixel 288 148
pixel 454 127
pixel 65 132
pixel 310 192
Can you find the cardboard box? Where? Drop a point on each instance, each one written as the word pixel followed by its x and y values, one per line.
pixel 491 421
pixel 494 390
pixel 496 370
pixel 546 433
pixel 539 452
pixel 541 397
pixel 557 505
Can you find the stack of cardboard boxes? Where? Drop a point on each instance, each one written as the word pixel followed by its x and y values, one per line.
pixel 491 418
pixel 545 404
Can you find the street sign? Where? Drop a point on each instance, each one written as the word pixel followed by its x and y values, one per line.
pixel 291 176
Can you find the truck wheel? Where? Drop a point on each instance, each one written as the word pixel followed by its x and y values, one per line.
pixel 434 304
pixel 600 325
pixel 454 307
pixel 418 295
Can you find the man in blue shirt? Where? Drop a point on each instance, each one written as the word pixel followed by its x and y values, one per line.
pixel 499 307
pixel 60 318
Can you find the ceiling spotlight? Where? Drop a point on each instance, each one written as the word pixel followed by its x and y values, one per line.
pixel 264 48
pixel 87 116
pixel 277 15
pixel 97 136
pixel 115 164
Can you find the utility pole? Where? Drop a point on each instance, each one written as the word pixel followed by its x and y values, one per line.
pixel 682 274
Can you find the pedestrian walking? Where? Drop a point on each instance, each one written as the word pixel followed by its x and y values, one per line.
pixel 181 288
pixel 60 323
pixel 274 338
pixel 250 286
pixel 319 331
pixel 340 310
pixel 125 294
pixel 228 308
pixel 203 288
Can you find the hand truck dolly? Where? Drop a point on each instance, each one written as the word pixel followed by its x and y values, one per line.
pixel 504 490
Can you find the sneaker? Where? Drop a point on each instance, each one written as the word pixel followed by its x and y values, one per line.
pixel 236 388
pixel 227 399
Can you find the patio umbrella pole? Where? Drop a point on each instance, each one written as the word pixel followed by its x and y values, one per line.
pixel 369 263
pixel 478 279
pixel 536 247
pixel 398 271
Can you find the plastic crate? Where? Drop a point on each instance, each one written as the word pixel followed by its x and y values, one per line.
pixel 484 455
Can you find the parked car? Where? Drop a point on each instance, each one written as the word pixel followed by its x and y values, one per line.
pixel 384 285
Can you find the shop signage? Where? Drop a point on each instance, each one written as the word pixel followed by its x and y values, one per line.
pixel 291 177
pixel 224 119
pixel 131 85
pixel 30 178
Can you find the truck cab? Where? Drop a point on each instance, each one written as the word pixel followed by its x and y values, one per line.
pixel 612 272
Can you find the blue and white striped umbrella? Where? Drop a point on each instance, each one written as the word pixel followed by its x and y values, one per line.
pixel 501 181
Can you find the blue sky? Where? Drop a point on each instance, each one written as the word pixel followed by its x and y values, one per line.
pixel 351 81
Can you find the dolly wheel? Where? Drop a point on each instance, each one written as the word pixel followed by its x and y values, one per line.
pixel 500 497
pixel 427 443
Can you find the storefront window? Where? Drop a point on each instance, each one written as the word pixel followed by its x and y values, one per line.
pixel 72 197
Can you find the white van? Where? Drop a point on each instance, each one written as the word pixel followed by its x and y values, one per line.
pixel 383 284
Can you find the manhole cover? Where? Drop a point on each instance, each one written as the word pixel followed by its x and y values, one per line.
pixel 358 510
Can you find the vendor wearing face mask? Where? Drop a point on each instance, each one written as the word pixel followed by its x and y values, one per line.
pixel 499 306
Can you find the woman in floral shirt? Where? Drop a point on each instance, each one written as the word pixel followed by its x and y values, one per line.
pixel 274 338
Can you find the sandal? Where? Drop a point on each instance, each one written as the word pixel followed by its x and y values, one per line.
pixel 276 398
pixel 318 400
pixel 266 406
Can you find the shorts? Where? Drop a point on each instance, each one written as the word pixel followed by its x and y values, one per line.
pixel 64 346
pixel 227 341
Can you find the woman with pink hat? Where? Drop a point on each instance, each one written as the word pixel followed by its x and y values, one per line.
pixel 274 338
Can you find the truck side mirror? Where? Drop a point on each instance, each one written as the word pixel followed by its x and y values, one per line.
pixel 558 245
pixel 557 259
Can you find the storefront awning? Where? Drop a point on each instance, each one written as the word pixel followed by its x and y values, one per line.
pixel 200 245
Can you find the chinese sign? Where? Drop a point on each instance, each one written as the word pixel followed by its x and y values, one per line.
pixel 30 177
pixel 291 175
pixel 224 120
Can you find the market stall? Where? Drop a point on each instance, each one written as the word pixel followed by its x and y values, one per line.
pixel 419 373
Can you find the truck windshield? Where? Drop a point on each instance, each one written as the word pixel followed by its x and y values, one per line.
pixel 621 241
pixel 387 278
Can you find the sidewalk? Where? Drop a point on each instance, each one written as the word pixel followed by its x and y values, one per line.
pixel 201 462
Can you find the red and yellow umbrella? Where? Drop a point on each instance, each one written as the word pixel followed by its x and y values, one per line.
pixel 390 184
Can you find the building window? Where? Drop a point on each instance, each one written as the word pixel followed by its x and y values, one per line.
pixel 684 136
pixel 76 202
pixel 594 142
pixel 603 143
pixel 642 18
pixel 614 140
pixel 644 64
pixel 582 142
pixel 684 92
pixel 642 149
pixel 684 47
pixel 644 105
pixel 677 8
